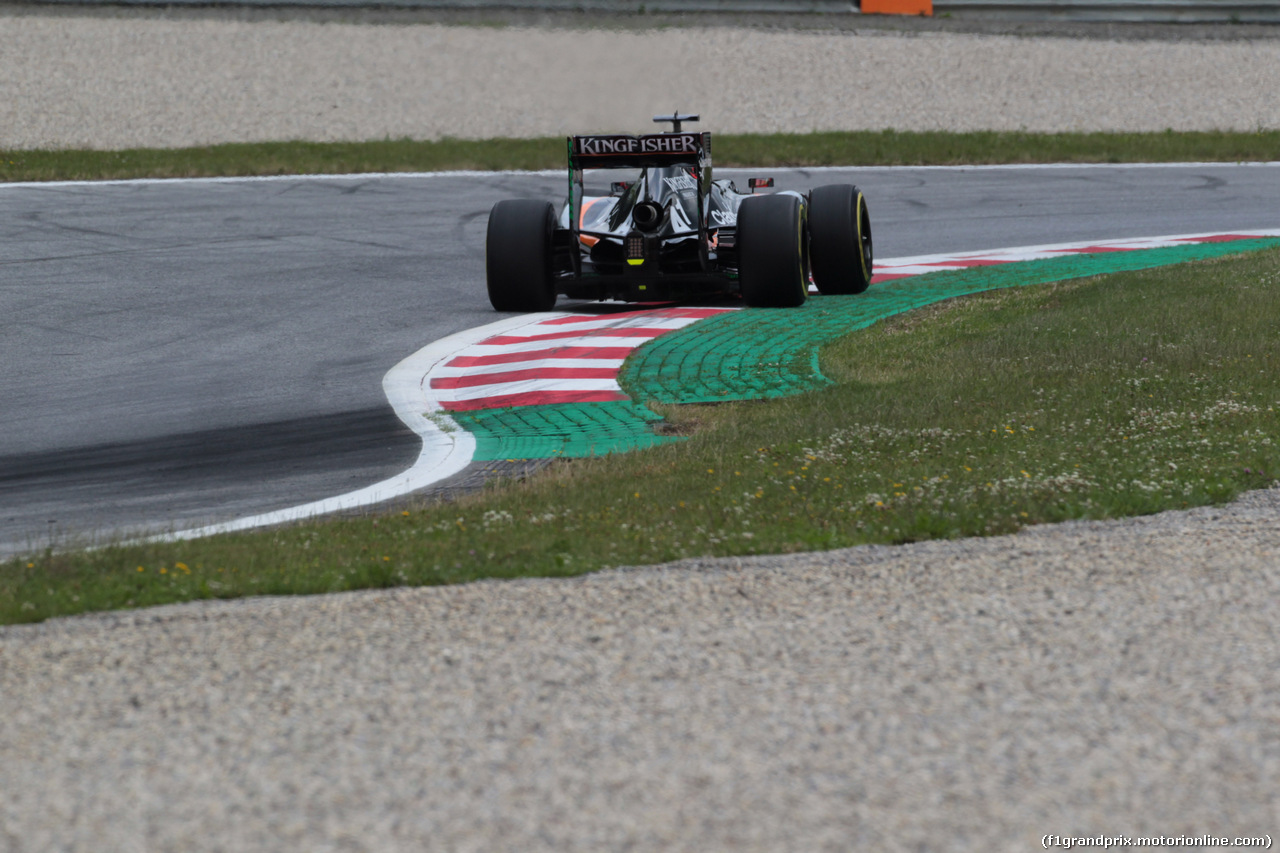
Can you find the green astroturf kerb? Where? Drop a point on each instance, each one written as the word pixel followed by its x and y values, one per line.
pixel 769 352
pixel 760 353
pixel 570 430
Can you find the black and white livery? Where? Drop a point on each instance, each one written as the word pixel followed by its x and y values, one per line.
pixel 671 232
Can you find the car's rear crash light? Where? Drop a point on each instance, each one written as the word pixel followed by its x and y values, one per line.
pixel 635 249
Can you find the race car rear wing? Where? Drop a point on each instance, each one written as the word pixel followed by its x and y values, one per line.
pixel 620 151
pixel 653 149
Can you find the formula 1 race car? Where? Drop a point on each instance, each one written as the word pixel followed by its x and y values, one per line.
pixel 670 232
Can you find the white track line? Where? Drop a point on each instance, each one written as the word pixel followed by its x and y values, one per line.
pixel 446 448
pixel 933 263
pixel 554 173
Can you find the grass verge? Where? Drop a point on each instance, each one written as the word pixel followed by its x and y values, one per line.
pixel 1097 398
pixel 863 148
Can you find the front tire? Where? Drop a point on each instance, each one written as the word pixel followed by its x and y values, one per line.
pixel 840 239
pixel 772 252
pixel 517 256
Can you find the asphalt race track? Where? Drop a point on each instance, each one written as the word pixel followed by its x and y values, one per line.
pixel 183 352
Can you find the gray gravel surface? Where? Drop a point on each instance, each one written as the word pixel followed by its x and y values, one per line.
pixel 1090 678
pixel 117 82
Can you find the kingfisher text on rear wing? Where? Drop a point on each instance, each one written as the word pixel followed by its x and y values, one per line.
pixel 656 143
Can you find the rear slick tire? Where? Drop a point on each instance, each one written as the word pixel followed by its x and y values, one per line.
pixel 772 252
pixel 840 239
pixel 517 256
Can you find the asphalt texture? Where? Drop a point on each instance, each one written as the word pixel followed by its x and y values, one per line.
pixel 185 352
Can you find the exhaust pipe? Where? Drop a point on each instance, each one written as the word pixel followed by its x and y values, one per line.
pixel 647 215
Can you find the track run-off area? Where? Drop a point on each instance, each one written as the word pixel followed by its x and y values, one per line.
pixel 187 354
